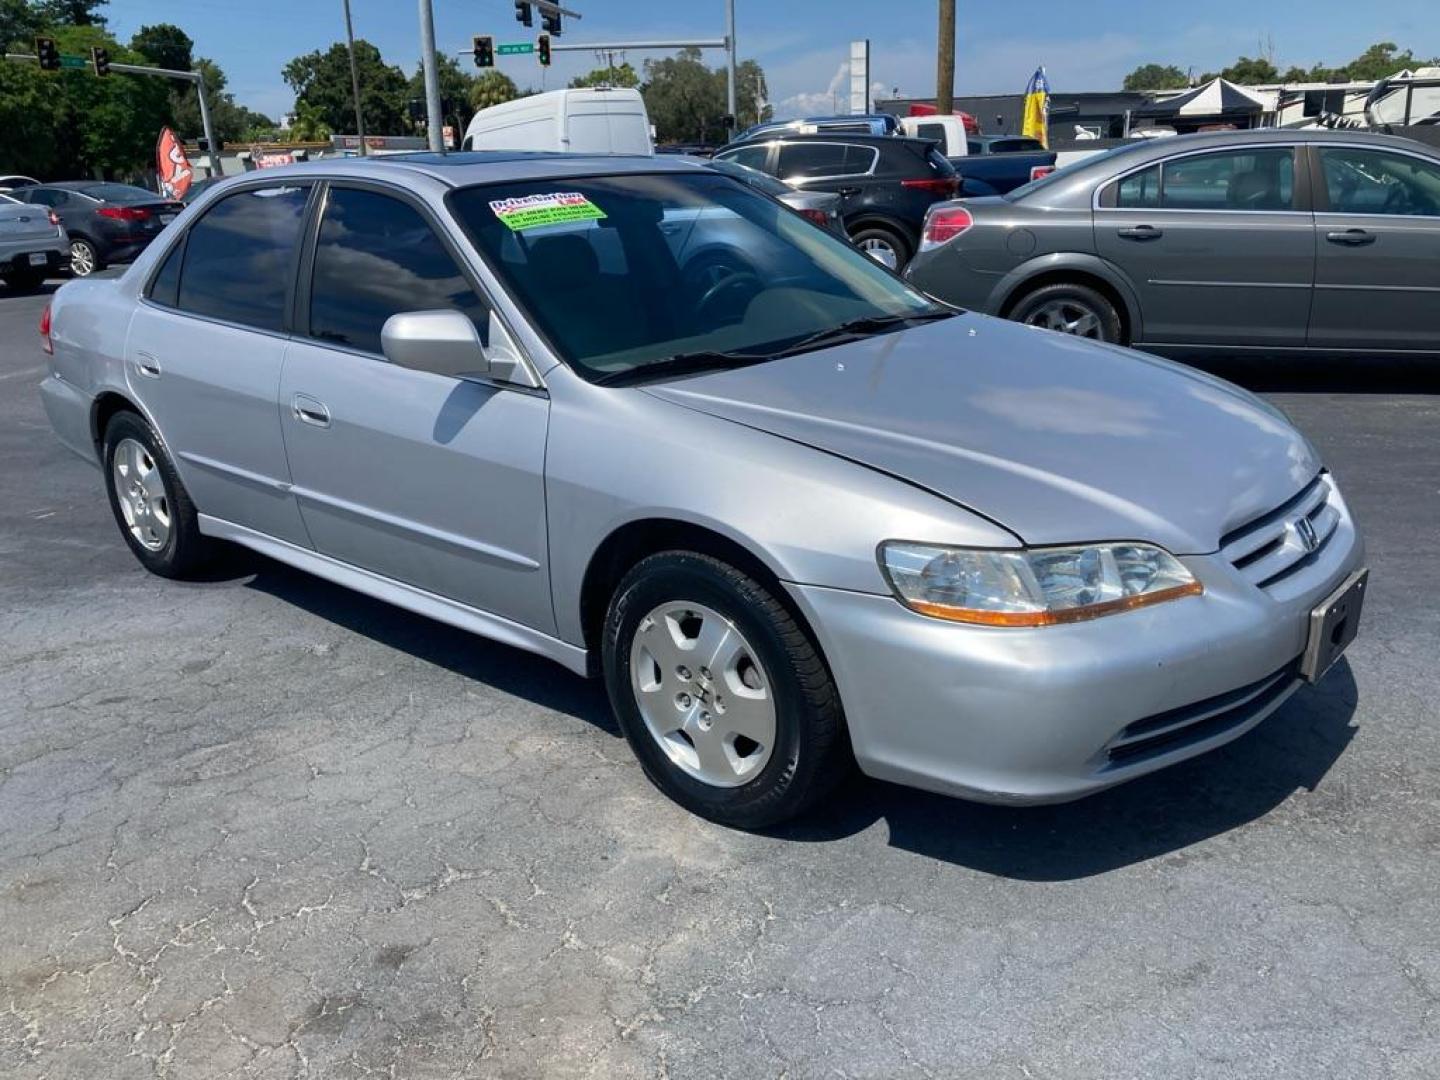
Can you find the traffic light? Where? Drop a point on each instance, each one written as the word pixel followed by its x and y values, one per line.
pixel 484 51
pixel 47 54
pixel 100 60
pixel 542 49
pixel 523 13
pixel 550 22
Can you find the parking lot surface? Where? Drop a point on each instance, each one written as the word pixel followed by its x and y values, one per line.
pixel 260 826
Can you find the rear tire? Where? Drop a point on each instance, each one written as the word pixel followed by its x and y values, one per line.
pixel 769 679
pixel 150 504
pixel 1070 308
pixel 84 257
pixel 883 244
pixel 25 280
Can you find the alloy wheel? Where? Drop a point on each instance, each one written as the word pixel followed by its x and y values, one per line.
pixel 140 491
pixel 703 694
pixel 82 258
pixel 882 251
pixel 1067 317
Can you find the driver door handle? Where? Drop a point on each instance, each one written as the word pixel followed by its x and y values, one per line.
pixel 1351 237
pixel 1141 232
pixel 309 411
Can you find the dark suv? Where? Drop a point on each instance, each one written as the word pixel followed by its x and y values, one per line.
pixel 886 183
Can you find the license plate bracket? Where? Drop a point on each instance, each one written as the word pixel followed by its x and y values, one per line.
pixel 38 258
pixel 1333 626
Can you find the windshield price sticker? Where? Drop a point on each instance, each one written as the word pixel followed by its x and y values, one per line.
pixel 534 211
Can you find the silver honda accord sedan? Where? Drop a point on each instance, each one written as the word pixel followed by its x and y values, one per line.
pixel 798 515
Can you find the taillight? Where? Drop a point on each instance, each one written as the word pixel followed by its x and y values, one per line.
pixel 54 218
pixel 124 213
pixel 1039 172
pixel 819 217
pixel 45 342
pixel 946 187
pixel 944 223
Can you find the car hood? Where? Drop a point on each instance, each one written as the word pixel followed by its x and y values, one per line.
pixel 1057 439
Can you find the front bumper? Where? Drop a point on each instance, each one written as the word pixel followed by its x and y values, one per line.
pixel 1055 713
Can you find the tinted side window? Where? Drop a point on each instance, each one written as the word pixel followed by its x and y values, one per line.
pixel 824 159
pixel 931 131
pixel 238 256
pixel 1375 182
pixel 1141 189
pixel 1256 180
pixel 165 289
pixel 752 157
pixel 47 198
pixel 377 257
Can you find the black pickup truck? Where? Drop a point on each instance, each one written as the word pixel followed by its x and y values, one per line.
pixel 996 164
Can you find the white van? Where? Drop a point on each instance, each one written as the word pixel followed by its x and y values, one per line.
pixel 600 120
pixel 948 131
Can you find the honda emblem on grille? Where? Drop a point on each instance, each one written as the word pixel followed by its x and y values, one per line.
pixel 1306 532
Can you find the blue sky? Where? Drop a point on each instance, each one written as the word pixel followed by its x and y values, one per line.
pixel 803 44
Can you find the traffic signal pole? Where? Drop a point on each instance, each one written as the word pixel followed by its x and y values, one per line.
pixel 163 73
pixel 432 77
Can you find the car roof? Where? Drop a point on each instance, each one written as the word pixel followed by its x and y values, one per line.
pixel 829 137
pixel 465 167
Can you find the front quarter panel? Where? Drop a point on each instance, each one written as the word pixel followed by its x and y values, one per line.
pixel 620 455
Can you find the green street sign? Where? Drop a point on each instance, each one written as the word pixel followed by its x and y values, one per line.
pixel 515 48
pixel 74 61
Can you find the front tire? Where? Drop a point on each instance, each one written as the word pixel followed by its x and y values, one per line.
pixel 721 693
pixel 25 279
pixel 150 504
pixel 1069 308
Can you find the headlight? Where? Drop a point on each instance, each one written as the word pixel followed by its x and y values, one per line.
pixel 1033 587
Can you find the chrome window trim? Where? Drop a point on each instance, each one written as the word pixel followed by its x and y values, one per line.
pixel 1118 178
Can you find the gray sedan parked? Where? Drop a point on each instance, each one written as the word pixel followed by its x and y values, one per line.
pixel 1259 240
pixel 796 517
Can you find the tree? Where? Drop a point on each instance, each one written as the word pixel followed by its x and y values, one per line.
pixel 686 100
pixel 72 12
pixel 621 75
pixel 492 88
pixel 1156 77
pixel 308 123
pixel 1251 71
pixel 751 95
pixel 164 45
pixel 19 23
pixel 455 87
pixel 323 80
pixel 1380 61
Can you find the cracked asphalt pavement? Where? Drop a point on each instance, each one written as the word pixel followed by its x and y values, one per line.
pixel 262 827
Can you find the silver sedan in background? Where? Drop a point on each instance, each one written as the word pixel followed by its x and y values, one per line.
pixel 1254 241
pixel 796 517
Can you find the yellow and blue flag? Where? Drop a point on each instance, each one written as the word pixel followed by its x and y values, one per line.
pixel 1037 108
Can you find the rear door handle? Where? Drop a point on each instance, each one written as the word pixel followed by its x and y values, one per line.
pixel 1141 232
pixel 309 411
pixel 1351 237
pixel 847 192
pixel 146 365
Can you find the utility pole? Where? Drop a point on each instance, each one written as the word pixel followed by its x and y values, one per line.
pixel 730 88
pixel 355 79
pixel 945 55
pixel 434 120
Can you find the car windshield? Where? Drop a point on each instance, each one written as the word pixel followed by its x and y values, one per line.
pixel 642 275
pixel 119 193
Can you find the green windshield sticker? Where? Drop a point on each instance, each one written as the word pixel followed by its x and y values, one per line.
pixel 534 211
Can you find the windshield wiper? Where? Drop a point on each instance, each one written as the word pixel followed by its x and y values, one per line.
pixel 687 363
pixel 854 328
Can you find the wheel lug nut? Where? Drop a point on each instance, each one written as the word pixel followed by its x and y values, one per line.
pixel 683 700
pixel 705 673
pixel 683 671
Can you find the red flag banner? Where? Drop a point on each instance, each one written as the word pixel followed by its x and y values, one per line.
pixel 176 175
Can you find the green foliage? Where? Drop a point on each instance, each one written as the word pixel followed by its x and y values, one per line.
pixel 493 87
pixel 1380 61
pixel 20 21
pixel 1251 71
pixel 686 99
pixel 322 80
pixel 164 45
pixel 1156 77
pixel 308 124
pixel 455 89
pixel 616 75
pixel 72 12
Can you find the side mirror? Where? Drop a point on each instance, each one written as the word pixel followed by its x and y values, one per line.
pixel 440 342
pixel 446 343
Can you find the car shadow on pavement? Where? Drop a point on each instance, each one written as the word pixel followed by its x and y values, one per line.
pixel 507 669
pixel 1327 375
pixel 1157 815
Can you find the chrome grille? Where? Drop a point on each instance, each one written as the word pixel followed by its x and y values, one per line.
pixel 1285 540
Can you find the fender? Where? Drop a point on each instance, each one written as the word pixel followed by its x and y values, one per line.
pixel 1076 262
